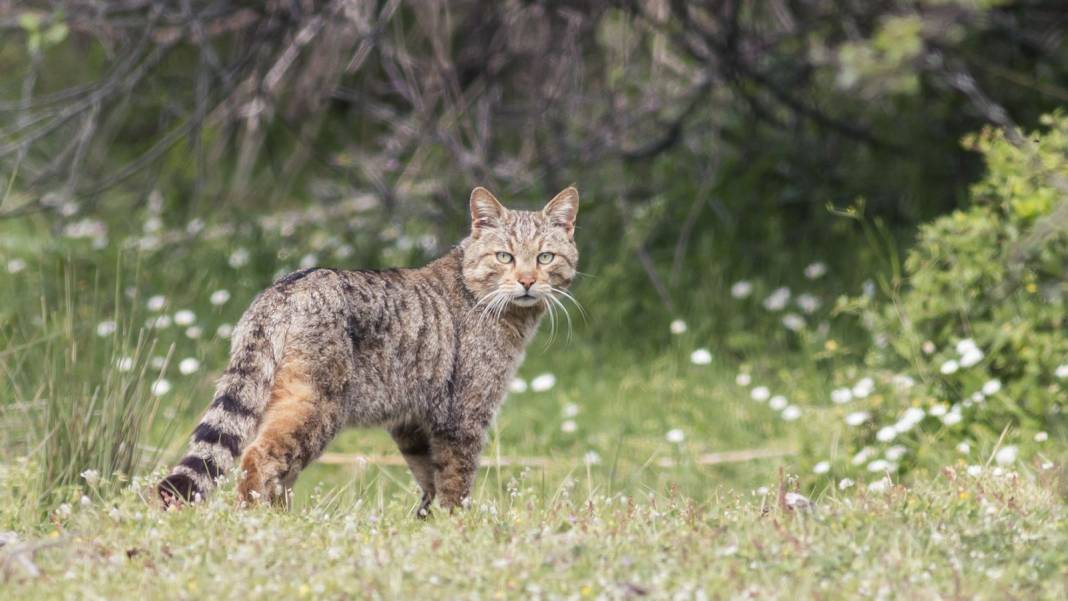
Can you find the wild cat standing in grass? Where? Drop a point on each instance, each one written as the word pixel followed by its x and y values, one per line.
pixel 426 353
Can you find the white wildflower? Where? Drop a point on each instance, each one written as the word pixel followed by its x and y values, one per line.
pixel 156 302
pixel 543 382
pixel 857 418
pixel 885 434
pixel 795 500
pixel 895 453
pixel 678 326
pixel 591 458
pixel 793 322
pixel 15 265
pixel 63 511
pixel 158 362
pixel 743 379
pixel 239 258
pixel 701 356
pixel 106 328
pixel 741 289
pixel 964 448
pixel 808 303
pixel 972 357
pixel 91 477
pixel 777 300
pixel 570 410
pixel 124 363
pixel 841 396
pixel 879 465
pixel 822 467
pixel 845 483
pixel 188 365
pixel 928 347
pixel 85 501
pixel 778 402
pixel 791 413
pixel 193 332
pixel 760 393
pixel 816 270
pixel 224 330
pixel 966 345
pixel 880 486
pixel 675 436
pixel 863 456
pixel 185 317
pixel 1041 436
pixel 937 410
pixel 1006 455
pixel 517 386
pixel 308 261
pixel 974 471
pixel 868 289
pixel 161 387
pixel 863 388
pixel 219 297
pixel 992 387
pixel 568 426
pixel 952 418
pixel 903 381
pixel 949 367
pixel 1061 372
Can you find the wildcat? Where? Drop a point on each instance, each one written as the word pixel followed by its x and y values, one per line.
pixel 426 353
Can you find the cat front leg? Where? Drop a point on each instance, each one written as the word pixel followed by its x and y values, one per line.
pixel 455 457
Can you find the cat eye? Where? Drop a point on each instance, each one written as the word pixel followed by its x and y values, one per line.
pixel 546 258
pixel 504 257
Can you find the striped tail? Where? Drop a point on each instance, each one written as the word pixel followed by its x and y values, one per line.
pixel 233 418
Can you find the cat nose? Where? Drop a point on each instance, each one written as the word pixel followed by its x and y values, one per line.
pixel 526 280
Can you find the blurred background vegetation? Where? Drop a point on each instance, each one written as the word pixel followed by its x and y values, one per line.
pixel 753 176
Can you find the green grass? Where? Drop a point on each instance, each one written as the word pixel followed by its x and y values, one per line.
pixel 954 536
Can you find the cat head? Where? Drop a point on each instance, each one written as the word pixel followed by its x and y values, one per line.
pixel 520 257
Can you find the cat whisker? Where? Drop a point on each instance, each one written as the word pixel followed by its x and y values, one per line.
pixel 552 322
pixel 567 315
pixel 568 296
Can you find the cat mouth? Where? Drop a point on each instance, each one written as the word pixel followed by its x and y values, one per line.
pixel 525 300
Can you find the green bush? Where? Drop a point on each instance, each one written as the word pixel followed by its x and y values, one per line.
pixel 970 339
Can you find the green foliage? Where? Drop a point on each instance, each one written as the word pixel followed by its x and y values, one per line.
pixel 979 320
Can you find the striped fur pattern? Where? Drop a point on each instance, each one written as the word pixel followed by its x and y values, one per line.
pixel 425 353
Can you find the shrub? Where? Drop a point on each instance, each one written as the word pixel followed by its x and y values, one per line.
pixel 971 338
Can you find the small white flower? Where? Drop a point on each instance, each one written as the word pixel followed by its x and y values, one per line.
pixel 239 258
pixel 741 289
pixel 903 381
pixel 845 483
pixel 868 289
pixel 974 471
pixel 895 452
pixel 966 345
pixel 964 448
pixel 857 418
pixel 863 388
pixel 879 465
pixel 778 402
pixel 85 501
pixel 760 393
pixel 678 326
pixel 701 356
pixel 161 387
pixel 124 363
pixel 219 297
pixel 937 410
pixel 1048 465
pixel 886 434
pixel 880 486
pixel 155 303
pixel 115 514
pixel 517 386
pixel 570 410
pixel 15 265
pixel 841 396
pixel 808 303
pixel 185 317
pixel 63 511
pixel 1041 436
pixel 777 300
pixel 188 365
pixel 793 322
pixel 863 456
pixel 161 322
pixel 1006 455
pixel 543 382
pixel 591 458
pixel 928 347
pixel 822 467
pixel 308 261
pixel 193 332
pixel 344 251
pixel 224 330
pixel 992 387
pixel 795 500
pixel 1061 372
pixel 157 362
pixel 743 379
pixel 568 426
pixel 791 413
pixel 949 367
pixel 106 328
pixel 972 357
pixel 816 270
pixel 675 436
pixel 91 477
pixel 952 418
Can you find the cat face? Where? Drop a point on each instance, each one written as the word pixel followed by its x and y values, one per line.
pixel 520 257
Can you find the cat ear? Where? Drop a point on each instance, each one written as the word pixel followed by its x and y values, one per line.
pixel 486 211
pixel 563 209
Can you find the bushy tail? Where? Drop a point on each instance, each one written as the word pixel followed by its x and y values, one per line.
pixel 232 420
